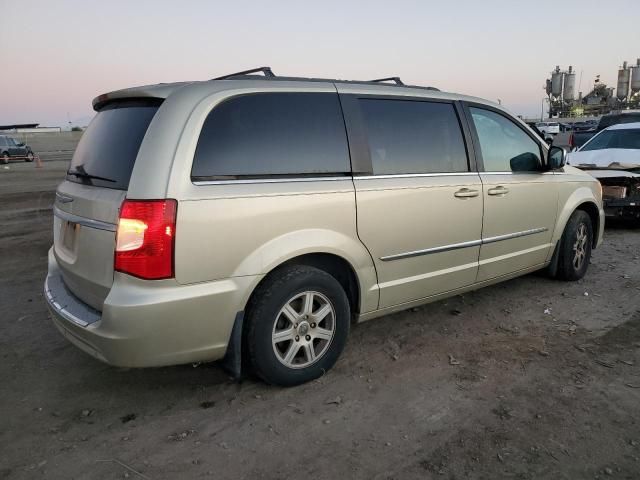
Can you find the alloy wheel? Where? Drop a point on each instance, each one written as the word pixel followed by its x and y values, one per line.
pixel 580 246
pixel 303 329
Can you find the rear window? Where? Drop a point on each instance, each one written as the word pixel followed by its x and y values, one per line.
pixel 273 134
pixel 107 151
pixel 407 136
pixel 626 139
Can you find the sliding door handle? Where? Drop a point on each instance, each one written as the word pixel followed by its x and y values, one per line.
pixel 466 193
pixel 500 190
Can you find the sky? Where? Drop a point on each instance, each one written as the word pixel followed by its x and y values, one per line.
pixel 59 55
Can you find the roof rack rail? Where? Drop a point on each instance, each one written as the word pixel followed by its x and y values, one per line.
pixel 388 79
pixel 265 70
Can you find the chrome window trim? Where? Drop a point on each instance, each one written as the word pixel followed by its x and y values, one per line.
pixel 320 179
pixel 270 180
pixel 87 222
pixel 517 173
pixel 415 175
pixel 456 246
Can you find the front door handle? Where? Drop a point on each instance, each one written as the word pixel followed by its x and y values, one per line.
pixel 499 190
pixel 466 193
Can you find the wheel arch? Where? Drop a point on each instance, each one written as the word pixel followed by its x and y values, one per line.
pixel 583 199
pixel 591 209
pixel 335 265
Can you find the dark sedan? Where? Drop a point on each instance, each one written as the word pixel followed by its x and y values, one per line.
pixel 11 149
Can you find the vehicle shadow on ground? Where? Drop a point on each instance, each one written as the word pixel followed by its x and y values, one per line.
pixel 366 341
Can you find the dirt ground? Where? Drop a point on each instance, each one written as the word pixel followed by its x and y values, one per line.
pixel 533 378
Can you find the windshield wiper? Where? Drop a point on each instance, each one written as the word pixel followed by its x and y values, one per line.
pixel 81 174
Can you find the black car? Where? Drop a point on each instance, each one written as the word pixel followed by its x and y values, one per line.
pixel 11 149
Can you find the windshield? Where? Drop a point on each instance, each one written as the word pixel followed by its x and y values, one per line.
pixel 626 139
pixel 107 151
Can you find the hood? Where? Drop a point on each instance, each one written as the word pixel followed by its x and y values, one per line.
pixel 599 174
pixel 614 158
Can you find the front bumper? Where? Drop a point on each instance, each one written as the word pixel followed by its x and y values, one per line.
pixel 622 208
pixel 150 323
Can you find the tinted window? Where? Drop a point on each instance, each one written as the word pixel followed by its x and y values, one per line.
pixel 109 146
pixel 505 147
pixel 3 142
pixel 627 139
pixel 413 137
pixel 273 134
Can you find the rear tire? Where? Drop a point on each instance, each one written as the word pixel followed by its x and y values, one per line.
pixel 575 247
pixel 29 157
pixel 5 158
pixel 297 325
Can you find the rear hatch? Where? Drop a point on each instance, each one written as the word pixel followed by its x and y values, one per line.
pixel 88 201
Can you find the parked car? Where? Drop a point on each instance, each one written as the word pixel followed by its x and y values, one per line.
pixel 12 149
pixel 549 128
pixel 547 138
pixel 613 157
pixel 581 136
pixel 217 220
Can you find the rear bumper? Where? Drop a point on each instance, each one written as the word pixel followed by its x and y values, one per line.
pixel 150 323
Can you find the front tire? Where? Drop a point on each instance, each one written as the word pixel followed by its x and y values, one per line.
pixel 575 247
pixel 29 157
pixel 297 325
pixel 5 158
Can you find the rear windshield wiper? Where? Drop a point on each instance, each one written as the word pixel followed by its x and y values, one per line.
pixel 80 174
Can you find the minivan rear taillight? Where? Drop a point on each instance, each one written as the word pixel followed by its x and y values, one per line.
pixel 145 238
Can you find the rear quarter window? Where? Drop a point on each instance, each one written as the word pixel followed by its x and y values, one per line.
pixel 110 144
pixel 272 134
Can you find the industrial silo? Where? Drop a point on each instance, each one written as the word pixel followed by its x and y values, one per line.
pixel 569 92
pixel 556 82
pixel 635 78
pixel 624 75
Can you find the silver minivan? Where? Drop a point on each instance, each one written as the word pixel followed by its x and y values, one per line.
pixel 255 218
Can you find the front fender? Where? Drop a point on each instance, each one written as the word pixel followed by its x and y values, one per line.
pixel 586 193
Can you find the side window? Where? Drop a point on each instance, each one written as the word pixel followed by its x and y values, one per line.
pixel 407 136
pixel 273 134
pixel 505 147
pixel 3 142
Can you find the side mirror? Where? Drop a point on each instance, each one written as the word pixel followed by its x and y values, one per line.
pixel 556 158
